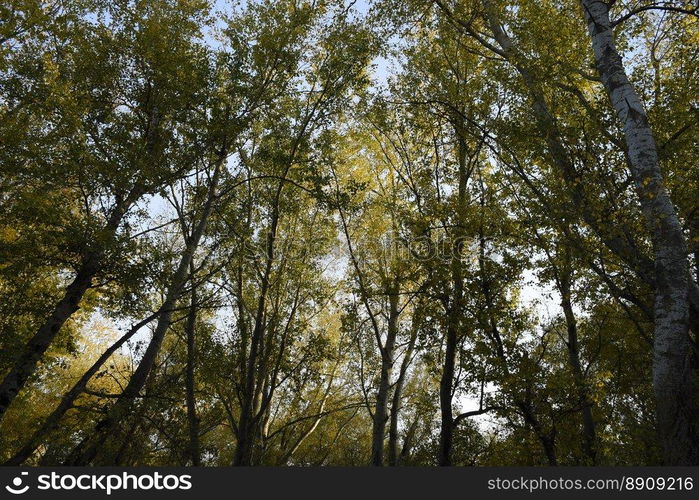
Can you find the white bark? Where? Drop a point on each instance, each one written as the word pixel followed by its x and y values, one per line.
pixel 671 371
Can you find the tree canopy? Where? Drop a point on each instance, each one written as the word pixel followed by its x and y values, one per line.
pixel 328 232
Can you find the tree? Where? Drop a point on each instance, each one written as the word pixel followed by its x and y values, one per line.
pixel 308 233
pixel 671 372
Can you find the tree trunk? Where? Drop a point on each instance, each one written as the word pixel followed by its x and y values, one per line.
pixel 446 383
pixel 87 451
pixel 69 398
pixel 547 439
pixel 671 372
pixel 589 431
pixel 27 362
pixel 378 432
pixel 192 418
pixel 247 428
pixel 408 441
pixel 321 413
pixel 396 404
pixel 445 398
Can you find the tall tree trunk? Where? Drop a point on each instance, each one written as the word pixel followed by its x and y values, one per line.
pixel 88 449
pixel 247 426
pixel 446 383
pixel 396 404
pixel 192 418
pixel 694 238
pixel 671 372
pixel 321 413
pixel 589 431
pixel 547 439
pixel 27 362
pixel 127 441
pixel 446 435
pixel 378 432
pixel 69 398
pixel 408 441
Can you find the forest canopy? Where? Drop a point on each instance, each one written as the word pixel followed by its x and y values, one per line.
pixel 334 232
